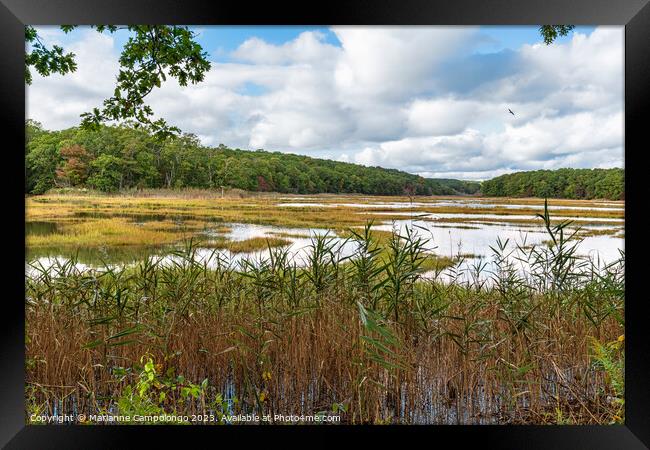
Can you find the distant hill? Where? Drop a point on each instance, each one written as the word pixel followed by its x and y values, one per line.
pixel 458 187
pixel 560 183
pixel 113 158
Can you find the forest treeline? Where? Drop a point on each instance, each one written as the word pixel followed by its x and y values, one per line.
pixel 559 183
pixel 114 158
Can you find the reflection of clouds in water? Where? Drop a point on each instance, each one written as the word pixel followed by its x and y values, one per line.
pixel 445 238
pixel 471 204
pixel 504 217
pixel 478 240
pixel 298 250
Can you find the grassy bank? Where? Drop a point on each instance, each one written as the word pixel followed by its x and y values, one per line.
pixel 157 217
pixel 376 338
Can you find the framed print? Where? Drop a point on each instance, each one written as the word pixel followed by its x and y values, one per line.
pixel 386 219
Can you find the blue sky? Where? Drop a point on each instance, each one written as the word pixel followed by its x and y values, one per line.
pixel 221 41
pixel 428 100
pixel 513 37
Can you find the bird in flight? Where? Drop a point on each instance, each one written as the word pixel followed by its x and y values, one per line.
pixel 510 111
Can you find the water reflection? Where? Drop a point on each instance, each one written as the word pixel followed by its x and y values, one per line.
pixel 470 236
pixel 38 228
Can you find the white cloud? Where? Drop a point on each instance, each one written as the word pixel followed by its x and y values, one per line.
pixel 581 132
pixel 394 63
pixel 309 47
pixel 414 98
pixel 57 100
pixel 440 116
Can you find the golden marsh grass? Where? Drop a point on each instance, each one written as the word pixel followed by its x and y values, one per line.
pixel 156 218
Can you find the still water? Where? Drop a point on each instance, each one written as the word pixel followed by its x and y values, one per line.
pixel 447 234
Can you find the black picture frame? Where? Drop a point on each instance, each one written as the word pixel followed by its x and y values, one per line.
pixel 633 14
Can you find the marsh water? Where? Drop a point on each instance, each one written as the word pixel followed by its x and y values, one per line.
pixel 470 232
pixel 465 230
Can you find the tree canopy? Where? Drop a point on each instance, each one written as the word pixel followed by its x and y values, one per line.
pixel 112 158
pixel 551 32
pixel 560 183
pixel 151 54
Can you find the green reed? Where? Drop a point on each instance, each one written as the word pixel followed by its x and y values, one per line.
pixel 371 333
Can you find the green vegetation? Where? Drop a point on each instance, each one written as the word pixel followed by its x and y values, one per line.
pixel 367 336
pixel 551 32
pixel 150 55
pixel 252 244
pixel 561 183
pixel 610 358
pixel 89 221
pixel 117 158
pixel 392 333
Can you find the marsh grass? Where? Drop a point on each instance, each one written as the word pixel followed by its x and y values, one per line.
pixel 500 210
pixel 367 336
pixel 283 234
pixel 256 243
pixel 155 217
pixel 601 232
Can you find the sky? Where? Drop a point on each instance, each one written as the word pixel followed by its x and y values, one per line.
pixel 427 100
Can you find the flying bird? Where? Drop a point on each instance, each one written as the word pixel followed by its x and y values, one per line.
pixel 510 111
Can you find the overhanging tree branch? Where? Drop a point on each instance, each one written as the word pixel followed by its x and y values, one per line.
pixel 150 53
